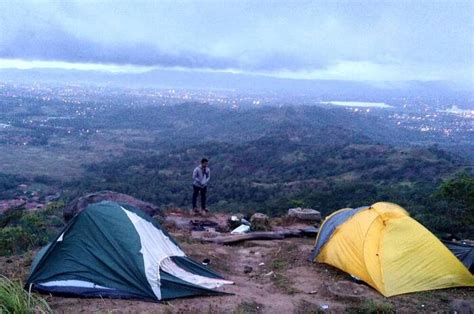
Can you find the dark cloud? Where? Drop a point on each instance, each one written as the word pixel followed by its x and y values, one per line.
pixel 57 45
pixel 341 38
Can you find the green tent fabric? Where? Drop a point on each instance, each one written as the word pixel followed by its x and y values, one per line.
pixel 115 250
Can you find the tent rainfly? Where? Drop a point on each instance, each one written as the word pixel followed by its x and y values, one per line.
pixel 117 251
pixel 464 251
pixel 389 250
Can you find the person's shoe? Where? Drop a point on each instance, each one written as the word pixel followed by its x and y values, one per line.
pixel 205 210
pixel 196 211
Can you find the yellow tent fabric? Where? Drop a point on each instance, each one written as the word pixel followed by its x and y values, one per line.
pixel 392 252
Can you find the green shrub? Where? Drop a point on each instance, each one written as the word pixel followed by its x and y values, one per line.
pixel 14 240
pixel 23 231
pixel 371 307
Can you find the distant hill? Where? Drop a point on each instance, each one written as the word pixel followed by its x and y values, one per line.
pixel 190 123
pixel 207 80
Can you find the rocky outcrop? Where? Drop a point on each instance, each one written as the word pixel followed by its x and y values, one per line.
pixel 306 214
pixel 80 203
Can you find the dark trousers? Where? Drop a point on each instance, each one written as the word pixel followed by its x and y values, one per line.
pixel 197 191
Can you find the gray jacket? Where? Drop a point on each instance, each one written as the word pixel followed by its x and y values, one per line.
pixel 201 178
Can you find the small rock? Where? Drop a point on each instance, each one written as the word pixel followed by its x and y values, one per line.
pixel 306 214
pixel 247 269
pixel 260 222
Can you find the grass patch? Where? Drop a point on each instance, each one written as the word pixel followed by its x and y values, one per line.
pixel 14 299
pixel 278 264
pixel 281 262
pixel 251 307
pixel 372 307
pixel 284 284
pixel 305 307
pixel 285 256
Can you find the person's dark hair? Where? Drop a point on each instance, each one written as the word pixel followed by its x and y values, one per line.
pixel 204 160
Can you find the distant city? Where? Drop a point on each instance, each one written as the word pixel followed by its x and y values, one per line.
pixel 433 117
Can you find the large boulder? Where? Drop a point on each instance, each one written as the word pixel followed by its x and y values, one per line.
pixel 80 203
pixel 260 222
pixel 306 214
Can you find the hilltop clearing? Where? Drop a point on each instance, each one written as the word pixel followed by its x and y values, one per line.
pixel 270 276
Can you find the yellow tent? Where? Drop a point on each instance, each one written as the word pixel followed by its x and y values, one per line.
pixel 389 250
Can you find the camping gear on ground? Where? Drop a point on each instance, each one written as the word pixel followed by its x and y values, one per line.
pixel 116 250
pixel 245 222
pixel 463 251
pixel 389 250
pixel 241 229
pixel 235 221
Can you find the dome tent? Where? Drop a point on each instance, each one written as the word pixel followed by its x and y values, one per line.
pixel 389 250
pixel 115 250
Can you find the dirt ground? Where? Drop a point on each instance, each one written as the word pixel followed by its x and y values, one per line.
pixel 278 279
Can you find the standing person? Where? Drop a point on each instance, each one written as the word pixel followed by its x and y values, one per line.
pixel 201 176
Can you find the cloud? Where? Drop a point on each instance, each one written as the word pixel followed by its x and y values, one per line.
pixel 55 43
pixel 399 39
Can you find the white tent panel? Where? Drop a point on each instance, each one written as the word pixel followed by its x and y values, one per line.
pixel 156 246
pixel 73 283
pixel 171 268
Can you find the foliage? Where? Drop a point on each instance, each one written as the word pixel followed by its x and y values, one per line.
pixel 450 209
pixel 9 182
pixel 459 190
pixel 249 307
pixel 264 159
pixel 14 299
pixel 284 169
pixel 372 307
pixel 23 231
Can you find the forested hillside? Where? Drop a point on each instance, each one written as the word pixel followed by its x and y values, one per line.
pixel 263 158
pixel 325 168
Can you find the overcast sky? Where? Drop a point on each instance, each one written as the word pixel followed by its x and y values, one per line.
pixel 353 40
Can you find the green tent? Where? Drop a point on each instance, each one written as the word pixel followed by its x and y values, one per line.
pixel 115 250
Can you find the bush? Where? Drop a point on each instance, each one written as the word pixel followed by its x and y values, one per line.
pixel 14 299
pixel 14 240
pixel 23 231
pixel 370 306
